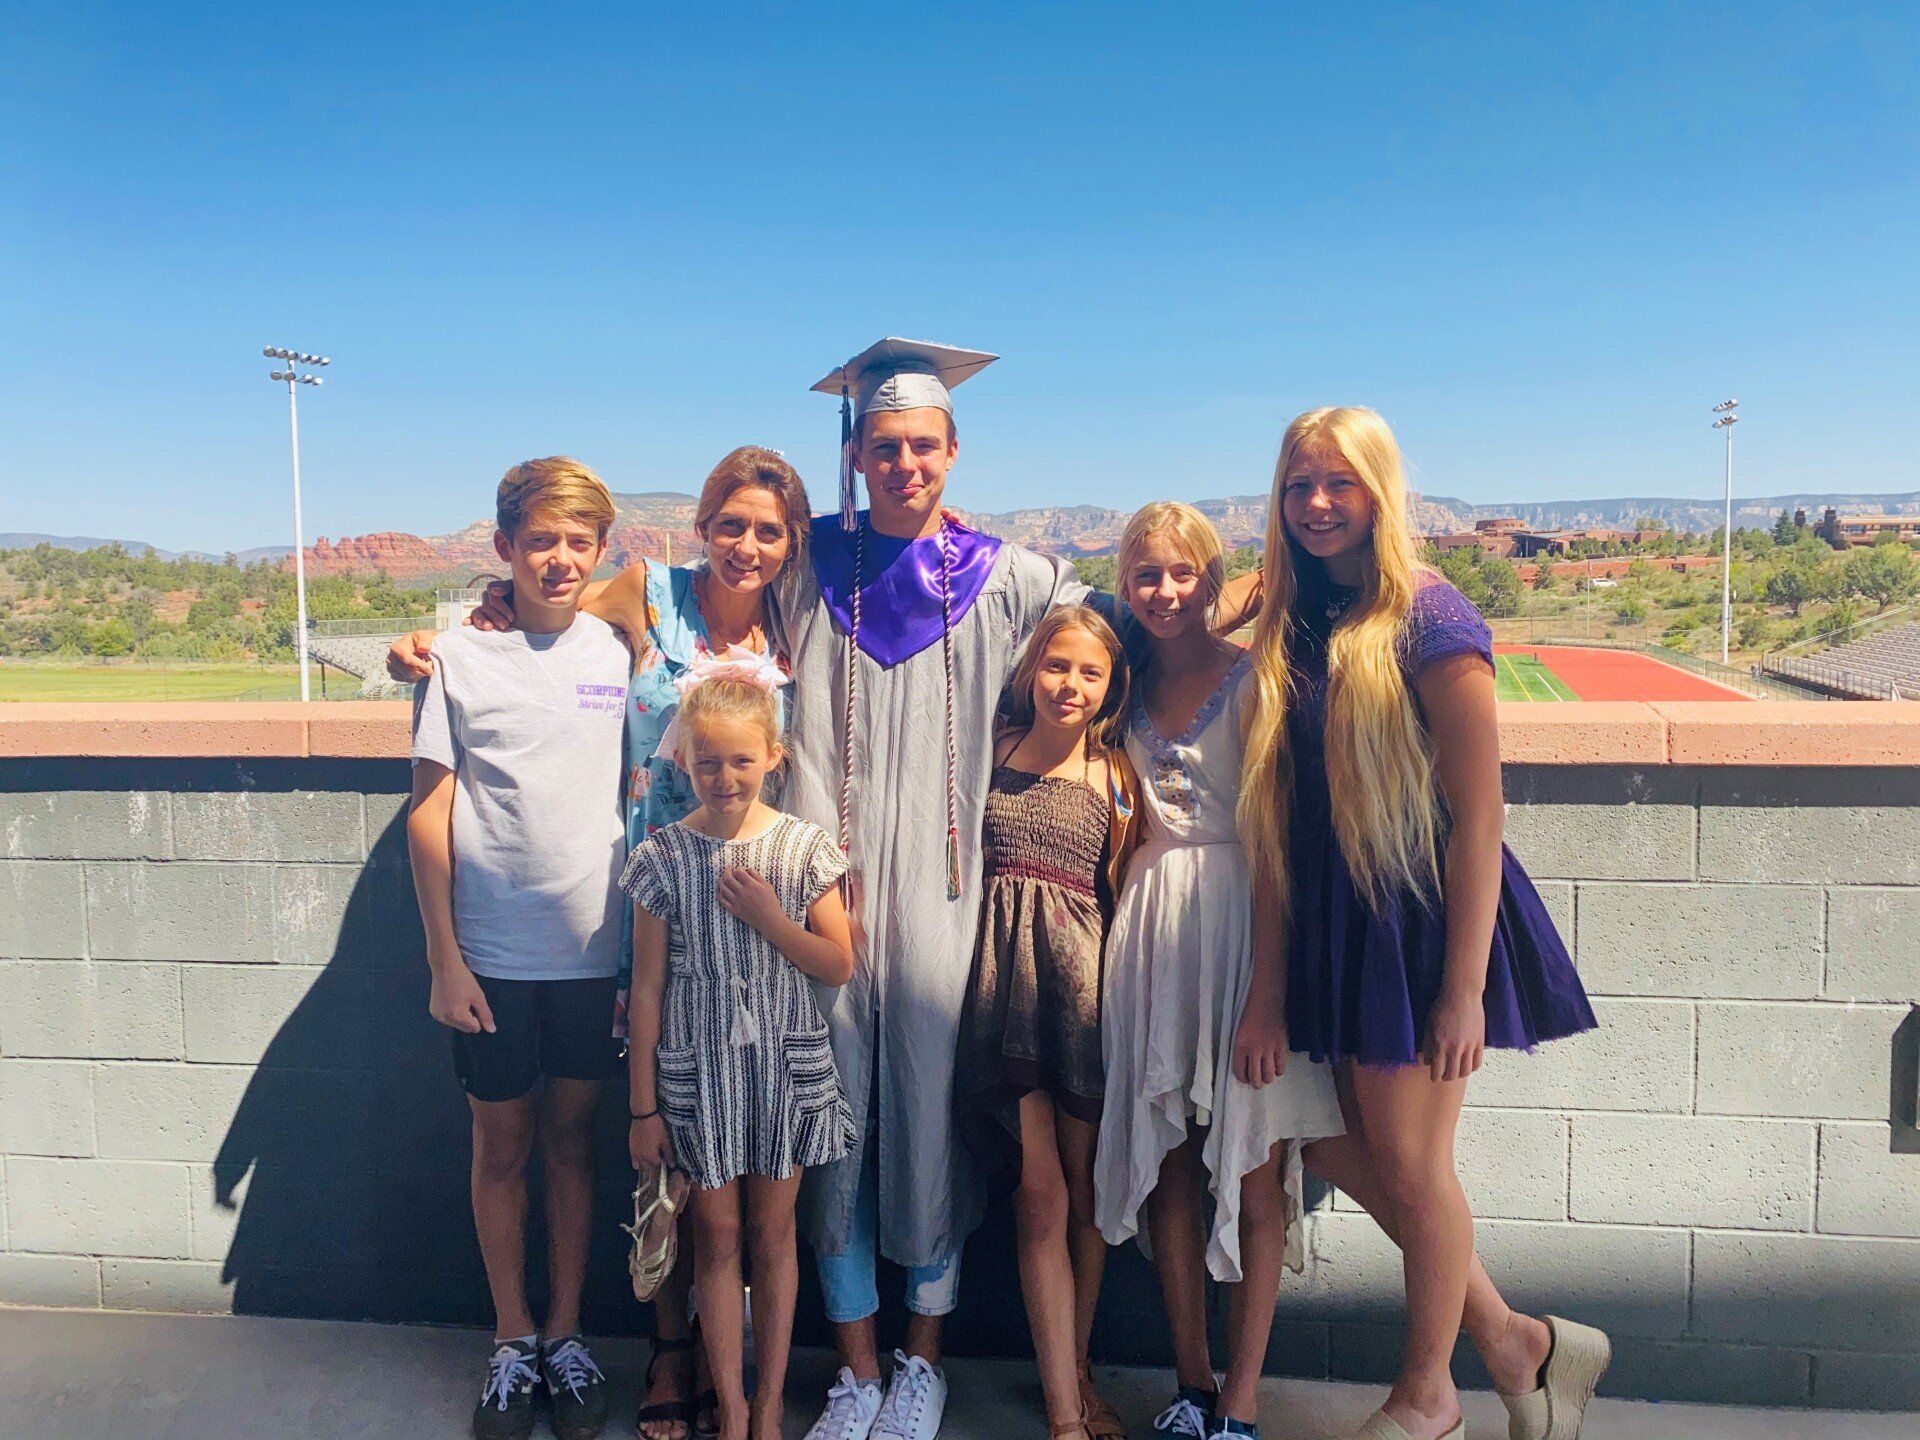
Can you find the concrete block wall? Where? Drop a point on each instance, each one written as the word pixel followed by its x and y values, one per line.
pixel 219 1089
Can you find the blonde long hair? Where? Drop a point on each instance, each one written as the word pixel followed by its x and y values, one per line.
pixel 1379 761
pixel 1194 534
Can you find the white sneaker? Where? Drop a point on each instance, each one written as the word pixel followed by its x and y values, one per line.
pixel 852 1407
pixel 916 1399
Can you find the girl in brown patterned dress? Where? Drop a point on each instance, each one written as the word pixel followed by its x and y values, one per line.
pixel 1028 1079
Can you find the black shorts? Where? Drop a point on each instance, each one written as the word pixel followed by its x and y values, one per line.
pixel 558 1028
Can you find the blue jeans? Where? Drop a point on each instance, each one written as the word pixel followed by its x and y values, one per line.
pixel 848 1281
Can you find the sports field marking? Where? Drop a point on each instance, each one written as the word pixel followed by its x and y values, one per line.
pixel 1522 677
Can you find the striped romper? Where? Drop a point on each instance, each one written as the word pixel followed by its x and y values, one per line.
pixel 746 1081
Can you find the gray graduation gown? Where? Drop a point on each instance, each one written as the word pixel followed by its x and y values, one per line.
pixel 894 1025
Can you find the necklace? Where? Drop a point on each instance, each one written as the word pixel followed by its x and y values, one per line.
pixel 853 676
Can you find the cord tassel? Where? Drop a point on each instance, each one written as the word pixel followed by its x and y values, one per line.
pixel 849 500
pixel 953 864
pixel 746 1029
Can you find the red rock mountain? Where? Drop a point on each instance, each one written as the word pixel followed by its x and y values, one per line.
pixel 655 526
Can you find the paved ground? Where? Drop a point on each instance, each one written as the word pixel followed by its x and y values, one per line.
pixel 86 1375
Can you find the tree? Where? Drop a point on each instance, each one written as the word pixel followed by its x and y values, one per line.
pixel 1785 532
pixel 1882 573
pixel 1801 579
pixel 1097 571
pixel 110 638
pixel 1462 570
pixel 1502 585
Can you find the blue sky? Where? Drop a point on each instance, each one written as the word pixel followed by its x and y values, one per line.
pixel 1543 240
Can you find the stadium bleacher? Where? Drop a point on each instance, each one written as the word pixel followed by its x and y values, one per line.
pixel 1883 666
pixel 363 655
pixel 359 647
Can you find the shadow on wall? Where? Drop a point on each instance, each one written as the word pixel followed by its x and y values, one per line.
pixel 345 1168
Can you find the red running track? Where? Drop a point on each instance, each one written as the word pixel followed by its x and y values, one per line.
pixel 1621 675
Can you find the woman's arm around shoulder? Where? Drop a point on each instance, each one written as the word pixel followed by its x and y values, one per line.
pixel 622 603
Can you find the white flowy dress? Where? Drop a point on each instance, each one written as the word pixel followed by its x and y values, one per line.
pixel 1179 960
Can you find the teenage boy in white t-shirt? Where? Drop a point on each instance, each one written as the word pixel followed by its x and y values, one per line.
pixel 517 839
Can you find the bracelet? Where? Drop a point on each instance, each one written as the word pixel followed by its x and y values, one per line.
pixel 643 1115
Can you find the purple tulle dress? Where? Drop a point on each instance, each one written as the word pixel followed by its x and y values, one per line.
pixel 1360 982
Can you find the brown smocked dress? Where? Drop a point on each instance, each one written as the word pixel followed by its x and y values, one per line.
pixel 1031 1019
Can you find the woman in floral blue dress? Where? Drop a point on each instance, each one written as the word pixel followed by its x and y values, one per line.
pixel 753 518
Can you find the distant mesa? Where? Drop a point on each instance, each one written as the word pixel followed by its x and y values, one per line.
pixel 26 540
pixel 660 524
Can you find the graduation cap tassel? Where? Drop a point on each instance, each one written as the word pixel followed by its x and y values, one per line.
pixel 849 502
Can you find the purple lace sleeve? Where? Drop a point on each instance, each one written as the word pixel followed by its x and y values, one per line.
pixel 1444 622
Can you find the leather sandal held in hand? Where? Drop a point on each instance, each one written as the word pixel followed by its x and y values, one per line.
pixel 655 1230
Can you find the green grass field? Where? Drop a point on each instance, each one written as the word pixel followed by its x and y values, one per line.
pixel 1521 677
pixel 150 682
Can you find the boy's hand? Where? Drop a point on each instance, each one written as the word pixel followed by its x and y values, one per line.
pixel 410 658
pixel 745 894
pixel 457 1001
pixel 495 610
pixel 648 1144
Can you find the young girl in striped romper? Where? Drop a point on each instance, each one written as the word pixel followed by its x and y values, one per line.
pixel 736 908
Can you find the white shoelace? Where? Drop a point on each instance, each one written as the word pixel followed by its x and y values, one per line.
pixel 1183 1417
pixel 906 1396
pixel 841 1419
pixel 507 1371
pixel 571 1365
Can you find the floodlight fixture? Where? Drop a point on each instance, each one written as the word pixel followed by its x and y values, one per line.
pixel 292 378
pixel 1728 412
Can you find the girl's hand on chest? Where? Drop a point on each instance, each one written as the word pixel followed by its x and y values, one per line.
pixel 744 894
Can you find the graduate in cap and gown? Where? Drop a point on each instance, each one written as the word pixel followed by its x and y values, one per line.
pixel 902 631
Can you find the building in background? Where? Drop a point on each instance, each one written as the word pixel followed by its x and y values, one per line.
pixel 1844 532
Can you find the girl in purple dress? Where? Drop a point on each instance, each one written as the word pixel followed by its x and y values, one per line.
pixel 1371 805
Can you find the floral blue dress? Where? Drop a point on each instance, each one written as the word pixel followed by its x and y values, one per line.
pixel 658 791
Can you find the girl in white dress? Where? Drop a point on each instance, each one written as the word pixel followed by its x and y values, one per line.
pixel 1201 1093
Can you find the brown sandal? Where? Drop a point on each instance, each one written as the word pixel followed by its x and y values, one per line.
pixel 1100 1418
pixel 1067 1427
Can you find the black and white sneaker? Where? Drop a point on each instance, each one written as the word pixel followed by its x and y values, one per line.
pixel 1190 1416
pixel 505 1411
pixel 576 1389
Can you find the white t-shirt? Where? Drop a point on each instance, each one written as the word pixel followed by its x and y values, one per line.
pixel 532 727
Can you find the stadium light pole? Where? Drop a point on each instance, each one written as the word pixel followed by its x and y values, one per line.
pixel 294 378
pixel 1728 412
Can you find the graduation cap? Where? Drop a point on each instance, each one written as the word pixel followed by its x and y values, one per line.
pixel 893 374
